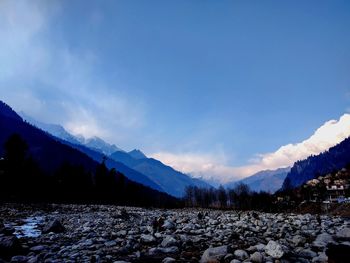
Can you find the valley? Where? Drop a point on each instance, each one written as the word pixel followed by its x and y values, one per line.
pixel 104 233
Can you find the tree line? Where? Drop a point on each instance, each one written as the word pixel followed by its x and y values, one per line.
pixel 22 179
pixel 240 197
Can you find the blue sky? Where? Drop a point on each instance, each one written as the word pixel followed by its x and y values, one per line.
pixel 220 82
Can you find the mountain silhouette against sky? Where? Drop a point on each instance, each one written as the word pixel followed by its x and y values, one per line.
pixel 134 164
pixel 53 154
pixel 336 158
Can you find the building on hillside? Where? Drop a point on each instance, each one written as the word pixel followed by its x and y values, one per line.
pixel 336 191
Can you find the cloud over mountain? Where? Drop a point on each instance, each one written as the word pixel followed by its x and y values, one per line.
pixel 210 166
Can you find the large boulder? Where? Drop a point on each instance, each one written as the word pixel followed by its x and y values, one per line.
pixel 214 254
pixel 338 253
pixel 168 241
pixel 322 240
pixel 10 246
pixel 54 226
pixel 321 258
pixel 274 249
pixel 147 238
pixel 256 257
pixel 343 234
pixel 169 225
pixel 157 251
pixel 241 254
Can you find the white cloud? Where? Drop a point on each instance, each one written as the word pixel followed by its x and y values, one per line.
pixel 212 167
pixel 43 76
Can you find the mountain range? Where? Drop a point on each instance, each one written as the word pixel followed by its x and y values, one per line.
pixel 58 131
pixel 134 164
pixel 56 171
pixel 267 180
pixel 336 158
pixel 51 145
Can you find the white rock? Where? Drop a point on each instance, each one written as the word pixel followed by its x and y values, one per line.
pixel 274 249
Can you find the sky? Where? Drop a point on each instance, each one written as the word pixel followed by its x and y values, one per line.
pixel 218 89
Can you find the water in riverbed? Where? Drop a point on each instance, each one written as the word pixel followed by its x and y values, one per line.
pixel 28 227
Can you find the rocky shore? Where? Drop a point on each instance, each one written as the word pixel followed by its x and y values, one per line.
pixel 103 233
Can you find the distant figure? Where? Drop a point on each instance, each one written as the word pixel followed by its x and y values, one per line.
pixel 318 218
pixel 157 224
pixel 255 215
pixel 200 216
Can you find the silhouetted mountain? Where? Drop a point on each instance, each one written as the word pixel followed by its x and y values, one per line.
pixel 55 158
pixel 134 164
pixel 6 111
pixel 334 159
pixel 119 166
pixel 173 182
pixel 89 147
pixel 137 154
pixel 267 181
pixel 43 147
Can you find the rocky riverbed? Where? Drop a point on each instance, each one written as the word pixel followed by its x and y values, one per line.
pixel 102 233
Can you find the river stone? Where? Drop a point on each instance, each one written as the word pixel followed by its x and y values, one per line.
pixel 54 226
pixel 9 246
pixel 156 251
pixel 38 248
pixel 168 260
pixel 307 253
pixel 321 258
pixel 298 240
pixel 343 234
pixel 168 241
pixel 274 249
pixel 241 254
pixel 147 238
pixel 214 254
pixel 260 247
pixel 19 259
pixel 322 240
pixel 256 257
pixel 169 225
